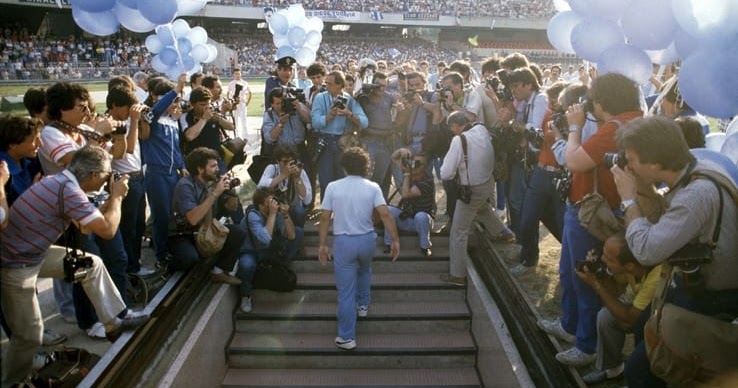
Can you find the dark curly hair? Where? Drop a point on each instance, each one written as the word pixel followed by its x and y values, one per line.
pixel 355 161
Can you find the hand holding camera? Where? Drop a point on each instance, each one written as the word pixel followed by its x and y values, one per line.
pixel 576 115
pixel 136 111
pixel 295 168
pixel 118 185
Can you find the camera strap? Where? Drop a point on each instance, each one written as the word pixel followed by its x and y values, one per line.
pixel 66 235
pixel 719 182
pixel 466 158
pixel 90 135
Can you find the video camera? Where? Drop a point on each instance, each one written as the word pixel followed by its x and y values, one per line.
pixel 289 96
pixel 500 83
pixel 237 93
pixel 365 91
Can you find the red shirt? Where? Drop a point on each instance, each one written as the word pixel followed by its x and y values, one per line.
pixel 602 142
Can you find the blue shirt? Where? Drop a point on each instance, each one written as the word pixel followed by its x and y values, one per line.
pixel 21 177
pixel 255 225
pixel 322 106
pixel 379 112
pixel 293 132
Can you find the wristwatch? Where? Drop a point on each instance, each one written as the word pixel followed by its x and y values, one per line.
pixel 626 203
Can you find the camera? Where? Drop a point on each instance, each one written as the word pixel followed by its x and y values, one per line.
pixel 76 266
pixel 339 102
pixel 237 92
pixel 120 130
pixel 596 267
pixel 234 182
pixel 561 123
pixel 611 159
pixel 409 162
pixel 689 259
pixel 117 176
pixel 534 136
pixel 297 163
pixel 500 83
pixel 320 144
pixel 587 105
pixel 444 95
pixel 148 115
pixel 289 96
pixel 410 95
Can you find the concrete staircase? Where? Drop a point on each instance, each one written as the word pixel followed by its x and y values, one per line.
pixel 417 333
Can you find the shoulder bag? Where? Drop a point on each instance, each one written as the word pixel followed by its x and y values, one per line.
pixel 596 216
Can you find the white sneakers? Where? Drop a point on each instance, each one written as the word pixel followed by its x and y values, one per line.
pixel 575 357
pixel 362 311
pixel 554 328
pixel 97 331
pixel 246 304
pixel 345 344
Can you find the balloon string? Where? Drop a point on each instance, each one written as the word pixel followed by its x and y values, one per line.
pixel 180 62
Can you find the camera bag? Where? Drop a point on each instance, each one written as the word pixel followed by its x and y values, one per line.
pixel 685 347
pixel 211 236
pixel 596 216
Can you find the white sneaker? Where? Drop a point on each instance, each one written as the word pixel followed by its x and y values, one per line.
pixel 521 270
pixel 575 357
pixel 145 272
pixel 97 331
pixel 362 311
pixel 554 328
pixel 246 304
pixel 346 344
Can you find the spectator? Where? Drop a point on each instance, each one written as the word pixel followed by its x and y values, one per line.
pixel 241 101
pixel 140 80
pixel 88 170
pixel 352 201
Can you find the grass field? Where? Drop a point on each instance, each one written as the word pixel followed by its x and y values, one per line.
pixel 255 107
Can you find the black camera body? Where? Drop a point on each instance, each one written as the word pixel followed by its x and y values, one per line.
pixel 596 267
pixel 562 184
pixel 534 136
pixel 148 116
pixel 237 92
pixel 297 163
pixel 289 96
pixel 561 123
pixel 611 159
pixel 690 259
pixel 340 102
pixel 234 182
pixel 76 266
pixel 409 162
pixel 500 83
pixel 410 95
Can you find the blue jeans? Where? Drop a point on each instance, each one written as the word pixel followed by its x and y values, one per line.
pixel 517 185
pixel 185 254
pixel 298 213
pixel 542 203
pixel 160 191
pixel 246 269
pixel 579 303
pixel 500 185
pixel 133 221
pixel 380 153
pixel 352 265
pixel 421 223
pixel 329 164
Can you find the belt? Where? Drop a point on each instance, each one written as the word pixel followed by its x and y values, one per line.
pixel 133 173
pixel 549 168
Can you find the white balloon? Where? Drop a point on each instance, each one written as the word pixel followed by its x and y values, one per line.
pixel 153 44
pixel 295 15
pixel 305 56
pixel 732 127
pixel 313 39
pixel 279 23
pixel 200 52
pixel 664 57
pixel 212 55
pixel 561 5
pixel 198 35
pixel 181 28
pixel 714 141
pixel 314 24
pixel 132 19
pixel 280 40
pixel 730 147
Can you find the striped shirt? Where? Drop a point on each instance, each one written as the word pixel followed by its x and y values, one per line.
pixel 36 222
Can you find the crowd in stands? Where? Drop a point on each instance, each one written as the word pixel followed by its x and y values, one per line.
pixel 519 9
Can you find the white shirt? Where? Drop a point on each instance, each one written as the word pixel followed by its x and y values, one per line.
pixel 129 162
pixel 481 157
pixel 141 94
pixel 352 200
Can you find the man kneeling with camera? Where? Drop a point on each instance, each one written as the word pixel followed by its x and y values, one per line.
pixel 38 218
pixel 625 288
pixel 417 208
pixel 194 204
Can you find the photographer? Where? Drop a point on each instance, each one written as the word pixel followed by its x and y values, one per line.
pixel 453 97
pixel 202 125
pixel 285 122
pixel 417 206
pixel 334 113
pixel 625 288
pixel 522 126
pixel 316 72
pixel 656 154
pixel 542 202
pixel 219 102
pixel 282 77
pixel 377 138
pixel 418 119
pixel 194 204
pixel 615 101
pixel 289 182
pixel 270 234
pixel 37 212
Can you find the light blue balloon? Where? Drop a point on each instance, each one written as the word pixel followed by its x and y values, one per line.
pixel 181 28
pixel 313 39
pixel 279 24
pixel 730 147
pixel 649 25
pixel 158 11
pixel 131 19
pixel 93 5
pixel 581 7
pixel 184 46
pixel 280 40
pixel 168 56
pixel 200 52
pixel 712 21
pixel 165 35
pixel 627 60
pixel 96 23
pixel 305 56
pixel 153 44
pixel 296 36
pixel 608 9
pixel 285 51
pixel 187 63
pixel 591 37
pixel 717 158
pixel 158 65
pixel 129 3
pixel 559 30
pixel 665 56
pixel 708 83
pixel 684 43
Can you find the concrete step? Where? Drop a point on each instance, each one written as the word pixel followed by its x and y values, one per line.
pixel 328 294
pixel 381 263
pixel 320 317
pixel 396 281
pixel 368 378
pixel 406 239
pixel 409 350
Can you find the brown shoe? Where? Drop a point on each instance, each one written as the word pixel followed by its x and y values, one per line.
pixel 458 281
pixel 225 278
